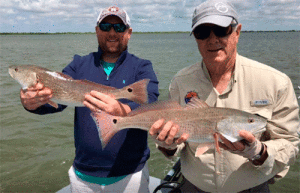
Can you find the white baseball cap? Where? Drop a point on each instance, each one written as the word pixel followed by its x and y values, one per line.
pixel 116 11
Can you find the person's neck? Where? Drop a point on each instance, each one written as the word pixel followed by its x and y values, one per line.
pixel 110 58
pixel 220 74
pixel 220 71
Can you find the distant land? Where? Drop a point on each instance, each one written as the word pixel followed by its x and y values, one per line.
pixel 61 33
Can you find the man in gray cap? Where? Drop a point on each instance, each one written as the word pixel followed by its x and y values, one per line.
pixel 226 79
pixel 122 165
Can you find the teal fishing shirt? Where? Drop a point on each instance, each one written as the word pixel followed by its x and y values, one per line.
pixel 108 67
pixel 98 180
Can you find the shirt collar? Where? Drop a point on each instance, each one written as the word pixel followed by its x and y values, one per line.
pixel 232 80
pixel 120 59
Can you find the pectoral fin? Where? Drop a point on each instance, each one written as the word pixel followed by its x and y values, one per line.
pixel 216 137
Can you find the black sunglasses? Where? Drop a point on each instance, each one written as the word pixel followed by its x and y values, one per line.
pixel 119 27
pixel 203 31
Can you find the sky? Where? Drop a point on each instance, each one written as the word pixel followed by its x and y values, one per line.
pixel 146 15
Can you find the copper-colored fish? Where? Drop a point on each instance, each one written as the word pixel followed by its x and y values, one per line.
pixel 69 91
pixel 197 119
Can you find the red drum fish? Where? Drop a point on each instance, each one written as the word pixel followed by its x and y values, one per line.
pixel 197 119
pixel 69 91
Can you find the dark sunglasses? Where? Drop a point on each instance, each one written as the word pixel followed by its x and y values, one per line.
pixel 203 31
pixel 119 27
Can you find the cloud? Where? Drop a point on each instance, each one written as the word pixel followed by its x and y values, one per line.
pixel 144 14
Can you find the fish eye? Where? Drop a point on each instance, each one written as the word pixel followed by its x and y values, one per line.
pixel 251 121
pixel 16 69
pixel 115 121
pixel 129 90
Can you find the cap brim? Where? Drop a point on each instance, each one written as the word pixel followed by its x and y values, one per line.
pixel 222 21
pixel 99 21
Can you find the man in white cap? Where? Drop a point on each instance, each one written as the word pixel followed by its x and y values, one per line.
pixel 226 79
pixel 122 165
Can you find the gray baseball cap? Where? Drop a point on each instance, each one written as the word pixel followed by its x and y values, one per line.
pixel 116 11
pixel 218 12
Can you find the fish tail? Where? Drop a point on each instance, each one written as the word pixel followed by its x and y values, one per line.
pixel 138 91
pixel 106 125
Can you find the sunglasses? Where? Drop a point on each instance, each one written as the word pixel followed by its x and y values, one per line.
pixel 119 27
pixel 202 31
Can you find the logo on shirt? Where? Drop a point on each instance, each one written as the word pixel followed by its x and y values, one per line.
pixel 190 95
pixel 263 102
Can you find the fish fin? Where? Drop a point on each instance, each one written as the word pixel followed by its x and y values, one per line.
pixel 96 85
pixel 65 76
pixel 106 126
pixel 156 106
pixel 216 137
pixel 196 103
pixel 59 75
pixel 53 104
pixel 138 91
pixel 202 148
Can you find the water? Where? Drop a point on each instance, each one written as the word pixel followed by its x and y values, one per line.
pixel 37 151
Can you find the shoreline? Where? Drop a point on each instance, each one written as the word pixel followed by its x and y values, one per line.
pixel 163 32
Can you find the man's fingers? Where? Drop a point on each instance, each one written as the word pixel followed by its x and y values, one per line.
pixel 37 86
pixel 164 132
pixel 156 127
pixel 247 136
pixel 91 106
pixel 182 138
pixel 172 133
pixel 102 96
pixel 223 146
pixel 239 146
pixel 227 143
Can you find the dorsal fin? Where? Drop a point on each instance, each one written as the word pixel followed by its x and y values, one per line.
pixel 159 105
pixel 59 75
pixel 96 85
pixel 196 103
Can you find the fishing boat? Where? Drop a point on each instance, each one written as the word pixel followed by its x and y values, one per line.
pixel 170 182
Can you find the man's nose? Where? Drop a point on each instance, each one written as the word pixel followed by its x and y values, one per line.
pixel 112 31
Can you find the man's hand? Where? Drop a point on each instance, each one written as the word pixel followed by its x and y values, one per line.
pixel 164 134
pixel 248 148
pixel 35 96
pixel 98 101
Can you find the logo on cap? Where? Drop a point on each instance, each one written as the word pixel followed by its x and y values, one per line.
pixel 221 7
pixel 113 9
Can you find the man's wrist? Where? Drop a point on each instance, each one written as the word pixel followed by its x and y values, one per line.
pixel 168 152
pixel 261 157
